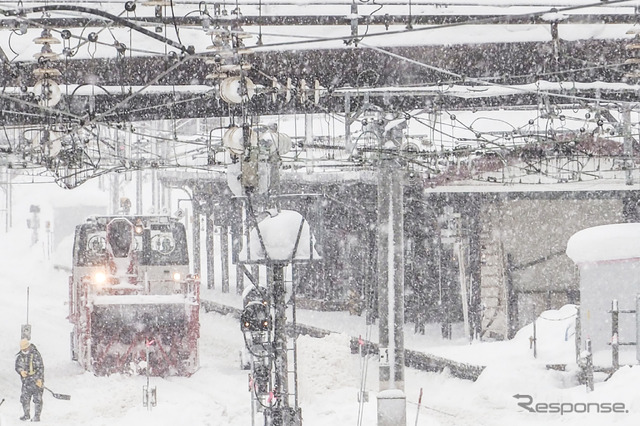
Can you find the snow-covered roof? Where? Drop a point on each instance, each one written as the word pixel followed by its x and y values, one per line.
pixel 620 241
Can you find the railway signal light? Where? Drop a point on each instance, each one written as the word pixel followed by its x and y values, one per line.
pixel 255 317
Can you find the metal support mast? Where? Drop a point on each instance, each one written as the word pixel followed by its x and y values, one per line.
pixel 391 398
pixel 282 412
pixel 628 145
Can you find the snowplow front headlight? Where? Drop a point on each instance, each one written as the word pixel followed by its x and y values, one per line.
pixel 176 276
pixel 99 278
pixel 138 228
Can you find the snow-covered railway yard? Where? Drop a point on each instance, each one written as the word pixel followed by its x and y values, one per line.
pixel 517 124
pixel 329 374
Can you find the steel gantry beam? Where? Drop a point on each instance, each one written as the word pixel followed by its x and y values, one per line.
pixel 136 87
pixel 142 88
pixel 384 20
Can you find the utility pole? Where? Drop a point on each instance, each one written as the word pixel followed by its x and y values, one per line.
pixel 195 231
pixel 153 148
pixel 210 235
pixel 139 176
pixel 115 179
pixel 391 398
pixel 224 258
pixel 139 191
pixel 628 144
pixel 7 199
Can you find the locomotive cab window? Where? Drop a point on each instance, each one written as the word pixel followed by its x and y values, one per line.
pixel 90 246
pixel 97 243
pixel 166 245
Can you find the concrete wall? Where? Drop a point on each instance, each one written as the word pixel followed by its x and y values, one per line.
pixel 534 233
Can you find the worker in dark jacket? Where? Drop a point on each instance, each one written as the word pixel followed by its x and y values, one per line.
pixel 30 367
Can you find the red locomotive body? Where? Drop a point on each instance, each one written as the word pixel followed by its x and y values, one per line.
pixel 133 305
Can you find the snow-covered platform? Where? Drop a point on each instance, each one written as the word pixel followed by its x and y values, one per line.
pixel 413 358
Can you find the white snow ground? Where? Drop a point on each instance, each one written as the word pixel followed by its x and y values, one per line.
pixel 329 374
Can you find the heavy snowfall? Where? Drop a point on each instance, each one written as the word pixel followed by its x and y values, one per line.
pixel 571 136
pixel 330 375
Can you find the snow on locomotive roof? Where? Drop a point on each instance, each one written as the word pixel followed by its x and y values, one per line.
pixel 620 241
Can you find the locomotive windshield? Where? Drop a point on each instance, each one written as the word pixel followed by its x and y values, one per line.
pixel 157 244
pixel 120 237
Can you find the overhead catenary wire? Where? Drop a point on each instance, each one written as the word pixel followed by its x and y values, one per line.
pixel 490 83
pixel 457 77
pixel 347 38
pixel 114 18
pixel 338 38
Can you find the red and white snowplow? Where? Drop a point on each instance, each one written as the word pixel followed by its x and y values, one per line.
pixel 133 305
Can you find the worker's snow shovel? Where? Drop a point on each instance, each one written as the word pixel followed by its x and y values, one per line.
pixel 58 395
